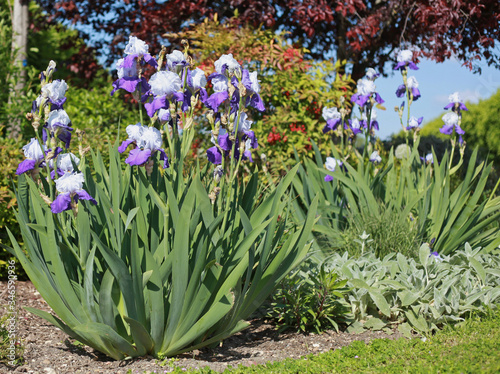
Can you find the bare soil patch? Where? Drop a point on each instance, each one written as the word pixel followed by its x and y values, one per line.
pixel 48 350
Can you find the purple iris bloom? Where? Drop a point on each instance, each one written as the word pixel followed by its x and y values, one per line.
pixel 138 49
pixel 69 186
pixel 128 78
pixel 412 87
pixel 373 121
pixel 196 80
pixel 160 102
pixel 401 91
pixel 164 115
pixel 429 159
pixel 64 163
pixel 220 86
pixel 252 85
pixel 355 125
pixel 455 101
pixel 332 117
pixel 451 123
pixel 214 155
pixel 227 65
pixel 176 61
pixel 372 74
pixel 250 143
pixel 404 59
pixel 147 140
pixel 331 164
pixel 365 89
pixel 34 157
pixel 58 125
pixel 55 92
pixel 375 157
pixel 414 122
pixel 164 86
pixel 436 256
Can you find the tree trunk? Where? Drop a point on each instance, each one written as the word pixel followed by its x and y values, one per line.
pixel 19 53
pixel 20 37
pixel 341 39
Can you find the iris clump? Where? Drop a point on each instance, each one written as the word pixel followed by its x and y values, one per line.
pixel 151 253
pixel 400 197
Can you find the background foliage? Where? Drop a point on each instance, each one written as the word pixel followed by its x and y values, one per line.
pixel 365 32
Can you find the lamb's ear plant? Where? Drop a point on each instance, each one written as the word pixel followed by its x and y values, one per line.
pixel 420 294
pixel 160 258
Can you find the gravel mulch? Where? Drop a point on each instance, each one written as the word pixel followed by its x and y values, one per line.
pixel 47 350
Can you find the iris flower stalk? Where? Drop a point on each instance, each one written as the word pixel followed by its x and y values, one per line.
pixel 411 92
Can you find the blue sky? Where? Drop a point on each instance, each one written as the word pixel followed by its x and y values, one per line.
pixel 436 83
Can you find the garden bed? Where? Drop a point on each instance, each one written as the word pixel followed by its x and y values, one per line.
pixel 45 346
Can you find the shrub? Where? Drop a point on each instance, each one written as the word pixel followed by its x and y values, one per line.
pixel 309 300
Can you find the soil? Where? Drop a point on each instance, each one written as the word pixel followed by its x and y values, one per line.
pixel 48 350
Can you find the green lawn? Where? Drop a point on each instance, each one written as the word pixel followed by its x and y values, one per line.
pixel 473 347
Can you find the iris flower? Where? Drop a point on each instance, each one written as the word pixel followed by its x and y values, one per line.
pixel 331 164
pixel 365 89
pixel 412 87
pixel 58 125
pixel 451 123
pixel 252 86
pixel 414 123
pixel 227 65
pixel 147 140
pixel 375 157
pixel 455 101
pixel 64 164
pixel 332 118
pixel 69 186
pixel 55 92
pixel 404 59
pixel 128 79
pixel 164 85
pixel 34 157
pixel 220 85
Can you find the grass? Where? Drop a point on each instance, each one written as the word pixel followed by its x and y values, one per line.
pixel 471 347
